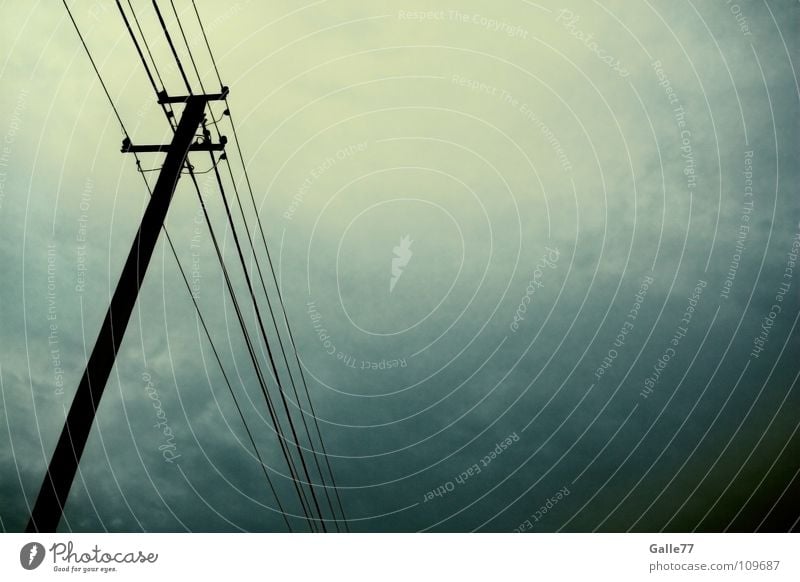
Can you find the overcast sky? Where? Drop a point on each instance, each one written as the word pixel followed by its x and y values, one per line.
pixel 537 259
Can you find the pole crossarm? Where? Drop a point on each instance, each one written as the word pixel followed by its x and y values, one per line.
pixel 163 98
pixel 198 146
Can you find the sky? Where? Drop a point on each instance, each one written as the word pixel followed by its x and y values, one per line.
pixel 539 262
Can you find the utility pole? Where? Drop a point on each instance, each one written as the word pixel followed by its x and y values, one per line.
pixel 53 494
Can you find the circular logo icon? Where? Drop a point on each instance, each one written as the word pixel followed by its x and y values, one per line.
pixel 31 555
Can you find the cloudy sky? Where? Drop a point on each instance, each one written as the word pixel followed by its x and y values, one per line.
pixel 538 260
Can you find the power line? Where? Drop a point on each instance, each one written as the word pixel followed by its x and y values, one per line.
pixel 166 107
pixel 262 383
pixel 277 287
pixel 222 369
pixel 254 359
pixel 285 358
pixel 218 358
pixel 144 41
pixel 274 368
pixel 269 350
pixel 210 52
pixel 282 349
pixel 255 257
pixel 188 48
pixel 285 316
pixel 172 47
pixel 138 49
pixel 96 70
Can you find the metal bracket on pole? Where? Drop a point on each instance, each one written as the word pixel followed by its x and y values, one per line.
pixel 53 494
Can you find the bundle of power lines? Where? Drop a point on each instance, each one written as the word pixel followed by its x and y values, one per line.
pixel 312 479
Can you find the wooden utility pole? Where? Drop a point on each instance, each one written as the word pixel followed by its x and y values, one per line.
pixel 53 494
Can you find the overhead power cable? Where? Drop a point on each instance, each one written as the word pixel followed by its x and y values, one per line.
pixel 255 303
pixel 172 47
pixel 272 363
pixel 260 376
pixel 251 352
pixel 96 70
pixel 269 349
pixel 272 269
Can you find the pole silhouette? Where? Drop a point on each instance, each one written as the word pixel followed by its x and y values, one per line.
pixel 49 507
